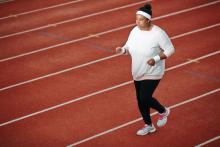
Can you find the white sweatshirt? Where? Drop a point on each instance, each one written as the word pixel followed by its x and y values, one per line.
pixel 144 45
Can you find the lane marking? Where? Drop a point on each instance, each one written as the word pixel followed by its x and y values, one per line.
pixel 100 60
pixel 208 141
pixel 139 119
pixel 193 60
pixel 13 15
pixel 99 92
pixel 105 32
pixel 72 20
pixel 94 35
pixel 41 9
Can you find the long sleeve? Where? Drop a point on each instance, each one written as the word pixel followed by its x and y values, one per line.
pixel 166 44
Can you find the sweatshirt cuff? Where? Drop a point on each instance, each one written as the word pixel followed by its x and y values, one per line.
pixel 156 58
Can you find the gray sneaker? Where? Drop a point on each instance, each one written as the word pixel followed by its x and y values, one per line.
pixel 146 129
pixel 163 118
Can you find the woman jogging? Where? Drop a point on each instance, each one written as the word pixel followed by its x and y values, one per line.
pixel 148 45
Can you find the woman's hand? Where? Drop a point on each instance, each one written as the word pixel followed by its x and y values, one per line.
pixel 151 62
pixel 119 50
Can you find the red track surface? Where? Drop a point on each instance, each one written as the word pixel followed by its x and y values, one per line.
pixel 189 124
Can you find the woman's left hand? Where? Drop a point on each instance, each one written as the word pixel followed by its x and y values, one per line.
pixel 151 62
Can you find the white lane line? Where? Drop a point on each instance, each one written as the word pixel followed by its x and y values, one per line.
pixel 138 119
pixel 99 60
pixel 41 9
pixel 103 33
pixel 208 141
pixel 72 20
pixel 100 91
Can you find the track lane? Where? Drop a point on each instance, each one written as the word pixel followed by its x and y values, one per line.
pixel 119 104
pixel 66 57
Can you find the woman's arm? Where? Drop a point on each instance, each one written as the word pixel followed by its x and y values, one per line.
pixel 166 46
pixel 162 55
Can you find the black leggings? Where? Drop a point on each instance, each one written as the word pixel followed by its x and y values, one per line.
pixel 144 92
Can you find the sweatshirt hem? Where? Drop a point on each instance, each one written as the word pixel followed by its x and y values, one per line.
pixel 149 77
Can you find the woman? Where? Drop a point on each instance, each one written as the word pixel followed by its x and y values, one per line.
pixel 148 46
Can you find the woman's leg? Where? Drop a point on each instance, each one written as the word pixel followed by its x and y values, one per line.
pixel 149 86
pixel 144 92
pixel 142 105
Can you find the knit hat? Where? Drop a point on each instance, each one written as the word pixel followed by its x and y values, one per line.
pixel 145 11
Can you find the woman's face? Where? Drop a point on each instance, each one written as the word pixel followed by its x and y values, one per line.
pixel 141 21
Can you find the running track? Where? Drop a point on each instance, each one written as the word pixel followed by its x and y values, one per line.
pixel 62 85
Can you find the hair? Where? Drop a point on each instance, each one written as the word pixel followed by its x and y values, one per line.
pixel 146 8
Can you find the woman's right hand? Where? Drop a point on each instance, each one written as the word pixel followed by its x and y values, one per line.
pixel 119 50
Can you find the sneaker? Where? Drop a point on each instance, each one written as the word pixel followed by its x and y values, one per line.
pixel 163 118
pixel 146 129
